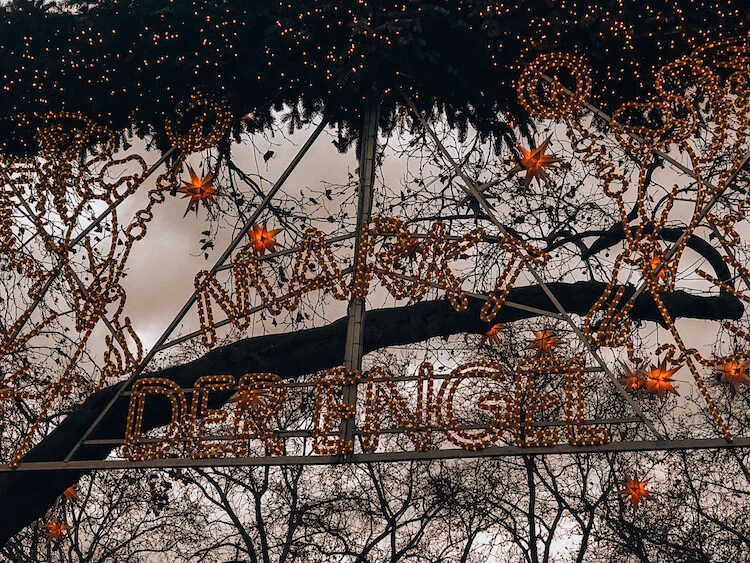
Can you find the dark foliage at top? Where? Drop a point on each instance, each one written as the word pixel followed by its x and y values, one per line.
pixel 129 63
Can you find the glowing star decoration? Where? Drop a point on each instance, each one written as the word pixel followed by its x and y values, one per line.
pixel 658 379
pixel 199 190
pixel 412 247
pixel 70 493
pixel 734 373
pixel 253 398
pixel 632 379
pixel 493 335
pixel 262 239
pixel 56 530
pixel 534 161
pixel 544 342
pixel 654 263
pixel 636 490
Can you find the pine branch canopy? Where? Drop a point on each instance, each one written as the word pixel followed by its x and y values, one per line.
pixel 127 64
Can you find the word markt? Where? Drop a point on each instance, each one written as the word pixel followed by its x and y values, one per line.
pixel 386 246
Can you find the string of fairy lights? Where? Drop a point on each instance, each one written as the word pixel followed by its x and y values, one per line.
pixel 326 54
pixel 259 400
pixel 68 178
pixel 645 129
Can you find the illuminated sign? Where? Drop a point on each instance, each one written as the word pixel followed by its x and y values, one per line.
pixel 509 407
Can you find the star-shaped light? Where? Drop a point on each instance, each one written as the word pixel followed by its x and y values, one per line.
pixel 654 263
pixel 55 529
pixel 734 373
pixel 658 379
pixel 199 190
pixel 632 379
pixel 636 490
pixel 544 342
pixel 254 398
pixel 493 335
pixel 262 239
pixel 70 493
pixel 534 161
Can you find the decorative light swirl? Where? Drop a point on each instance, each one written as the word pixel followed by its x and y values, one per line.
pixel 199 125
pixel 542 88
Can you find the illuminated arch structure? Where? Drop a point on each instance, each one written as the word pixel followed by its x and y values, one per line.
pixel 55 194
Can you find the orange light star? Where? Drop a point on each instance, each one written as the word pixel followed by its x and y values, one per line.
pixel 636 490
pixel 492 335
pixel 734 373
pixel 254 398
pixel 544 342
pixel 658 379
pixel 534 161
pixel 632 379
pixel 55 529
pixel 654 262
pixel 70 493
pixel 262 239
pixel 199 190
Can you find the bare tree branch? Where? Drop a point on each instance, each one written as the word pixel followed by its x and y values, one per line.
pixel 294 354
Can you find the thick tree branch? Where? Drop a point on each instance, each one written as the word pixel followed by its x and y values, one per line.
pixel 616 234
pixel 297 353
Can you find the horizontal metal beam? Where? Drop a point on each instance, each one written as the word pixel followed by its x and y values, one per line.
pixel 364 380
pixel 502 451
pixel 300 433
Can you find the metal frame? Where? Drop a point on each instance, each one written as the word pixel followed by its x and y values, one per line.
pixel 501 451
pixel 192 299
pixel 355 328
pixel 356 310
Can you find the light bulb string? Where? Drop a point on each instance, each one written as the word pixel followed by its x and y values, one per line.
pixel 470 188
pixel 193 297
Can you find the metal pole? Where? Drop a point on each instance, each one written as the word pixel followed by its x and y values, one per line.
pixel 355 331
pixel 452 453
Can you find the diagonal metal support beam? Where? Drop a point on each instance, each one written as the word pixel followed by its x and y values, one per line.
pixel 470 188
pixel 192 299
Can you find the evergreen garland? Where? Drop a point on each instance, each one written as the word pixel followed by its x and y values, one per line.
pixel 128 63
